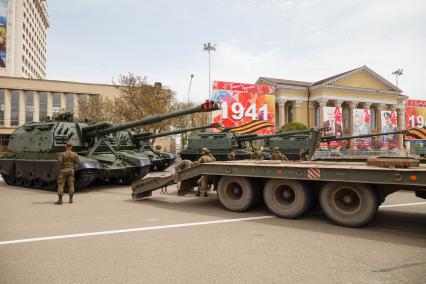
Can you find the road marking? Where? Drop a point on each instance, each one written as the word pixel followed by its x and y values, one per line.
pixel 134 230
pixel 162 227
pixel 405 204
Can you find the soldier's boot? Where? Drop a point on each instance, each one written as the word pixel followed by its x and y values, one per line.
pixel 204 194
pixel 181 192
pixel 71 198
pixel 198 193
pixel 59 202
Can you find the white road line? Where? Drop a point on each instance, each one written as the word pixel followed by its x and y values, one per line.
pixel 134 230
pixel 162 227
pixel 405 204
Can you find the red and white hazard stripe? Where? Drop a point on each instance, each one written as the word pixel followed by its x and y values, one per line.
pixel 314 173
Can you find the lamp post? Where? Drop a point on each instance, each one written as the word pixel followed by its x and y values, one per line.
pixel 209 47
pixel 397 73
pixel 189 88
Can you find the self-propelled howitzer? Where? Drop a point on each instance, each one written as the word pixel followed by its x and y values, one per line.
pixel 34 147
pixel 222 143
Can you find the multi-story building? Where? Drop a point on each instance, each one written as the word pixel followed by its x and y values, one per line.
pixel 23 100
pixel 23 38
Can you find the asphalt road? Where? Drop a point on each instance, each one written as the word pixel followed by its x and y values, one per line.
pixel 203 247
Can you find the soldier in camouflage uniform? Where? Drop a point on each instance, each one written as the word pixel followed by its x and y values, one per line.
pixel 277 155
pixel 203 181
pixel 256 155
pixel 182 165
pixel 231 155
pixel 303 154
pixel 67 161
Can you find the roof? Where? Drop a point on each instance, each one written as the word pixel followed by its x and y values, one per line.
pixel 330 80
pixel 286 82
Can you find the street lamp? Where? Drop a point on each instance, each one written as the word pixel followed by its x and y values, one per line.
pixel 209 47
pixel 397 73
pixel 189 88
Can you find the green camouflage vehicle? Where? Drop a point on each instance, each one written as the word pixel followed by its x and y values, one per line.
pixel 34 147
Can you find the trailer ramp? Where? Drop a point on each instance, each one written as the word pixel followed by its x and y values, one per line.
pixel 147 185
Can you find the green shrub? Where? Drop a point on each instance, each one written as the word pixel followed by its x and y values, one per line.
pixel 293 126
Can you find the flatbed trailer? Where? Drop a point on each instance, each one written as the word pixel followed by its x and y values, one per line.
pixel 349 193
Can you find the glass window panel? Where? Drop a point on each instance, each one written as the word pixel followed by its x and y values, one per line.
pixel 70 102
pixel 56 103
pixel 346 118
pixel 29 106
pixel 2 94
pixel 14 112
pixel 43 106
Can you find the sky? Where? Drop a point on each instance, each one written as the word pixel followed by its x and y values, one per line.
pixel 306 40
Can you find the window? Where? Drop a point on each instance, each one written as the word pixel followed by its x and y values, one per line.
pixel 29 106
pixel 70 102
pixel 14 112
pixel 43 106
pixel 346 118
pixel 373 118
pixel 2 106
pixel 56 103
pixel 290 114
pixel 4 140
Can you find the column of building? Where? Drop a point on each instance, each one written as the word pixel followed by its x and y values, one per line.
pixel 22 107
pixel 281 111
pixel 7 107
pixel 36 113
pixel 352 106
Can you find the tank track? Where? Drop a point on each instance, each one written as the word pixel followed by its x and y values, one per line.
pixel 143 171
pixel 84 178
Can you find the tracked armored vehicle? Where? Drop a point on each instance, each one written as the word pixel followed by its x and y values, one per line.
pixel 220 144
pixel 33 151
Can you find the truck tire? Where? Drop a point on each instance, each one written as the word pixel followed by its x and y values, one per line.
pixel 349 204
pixel 287 198
pixel 235 193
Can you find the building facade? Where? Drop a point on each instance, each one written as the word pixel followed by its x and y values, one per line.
pixel 23 38
pixel 23 100
pixel 360 88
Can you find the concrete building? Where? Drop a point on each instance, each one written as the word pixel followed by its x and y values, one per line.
pixel 23 38
pixel 354 89
pixel 23 100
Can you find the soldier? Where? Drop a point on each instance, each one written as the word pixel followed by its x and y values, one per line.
pixel 210 154
pixel 303 154
pixel 67 161
pixel 231 155
pixel 203 181
pixel 277 155
pixel 256 155
pixel 184 164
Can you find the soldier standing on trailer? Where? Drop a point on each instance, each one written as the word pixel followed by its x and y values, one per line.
pixel 277 155
pixel 67 161
pixel 256 155
pixel 203 181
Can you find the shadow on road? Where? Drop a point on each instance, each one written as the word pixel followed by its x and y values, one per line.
pixel 388 226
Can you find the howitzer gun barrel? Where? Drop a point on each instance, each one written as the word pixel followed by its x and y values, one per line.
pixel 334 138
pixel 178 131
pixel 205 107
pixel 280 134
pixel 100 125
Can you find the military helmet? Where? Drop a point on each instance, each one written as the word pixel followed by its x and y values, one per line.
pixel 206 151
pixel 276 148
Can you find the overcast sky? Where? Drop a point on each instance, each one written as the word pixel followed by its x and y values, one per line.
pixel 95 41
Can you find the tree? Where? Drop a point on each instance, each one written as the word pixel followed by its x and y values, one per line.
pixel 293 126
pixel 95 109
pixel 139 99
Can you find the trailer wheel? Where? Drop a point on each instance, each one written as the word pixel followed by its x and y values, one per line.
pixel 235 193
pixel 349 204
pixel 287 198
